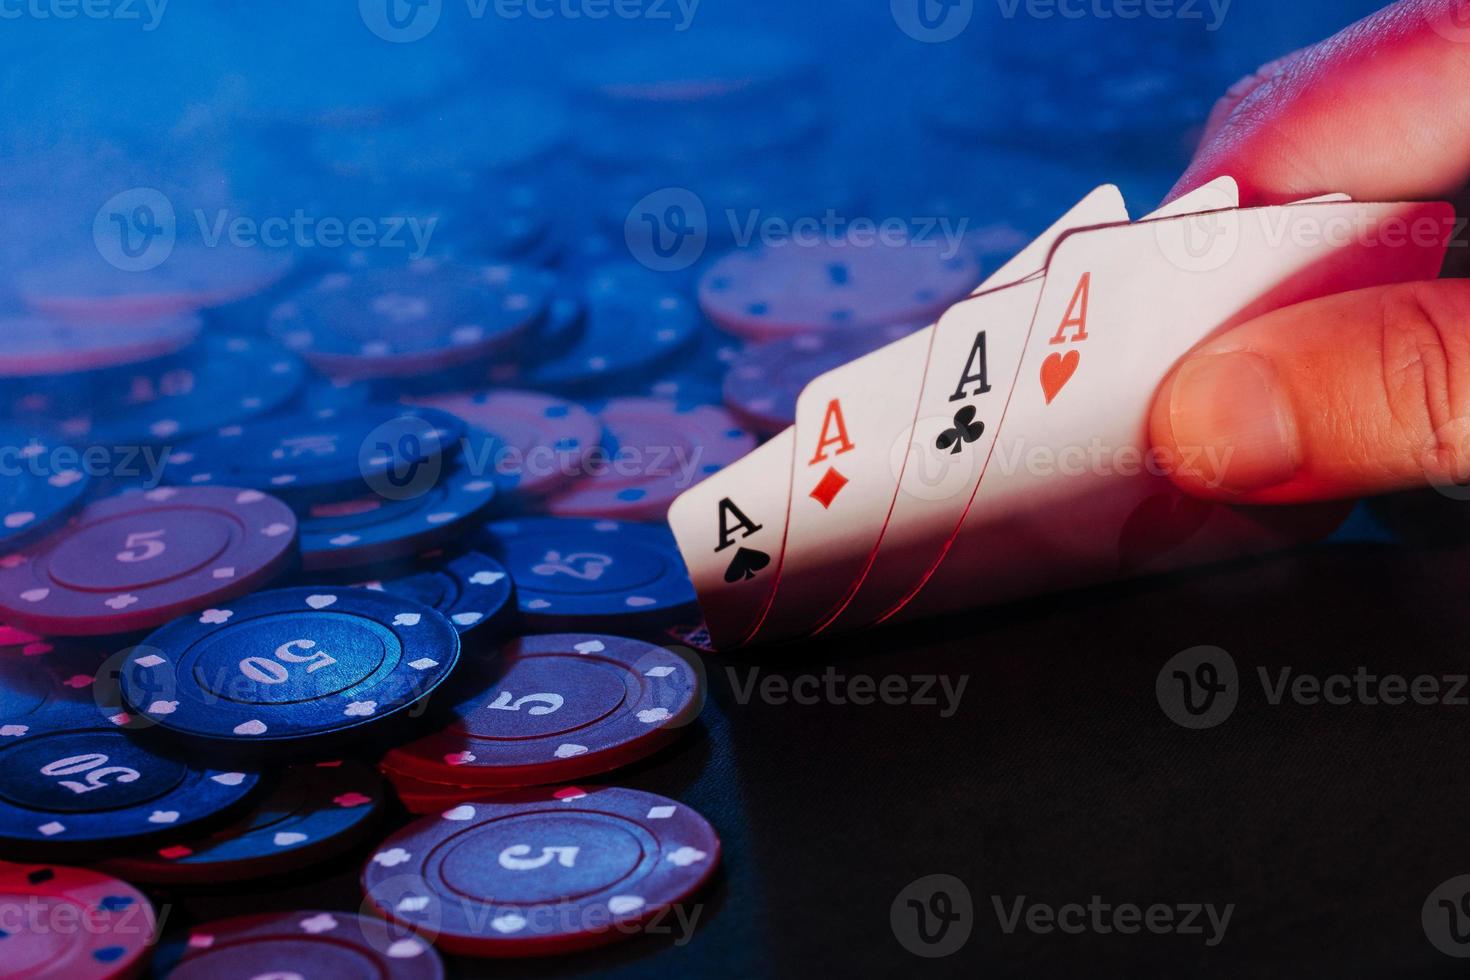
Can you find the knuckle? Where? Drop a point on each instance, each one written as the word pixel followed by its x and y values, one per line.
pixel 1425 353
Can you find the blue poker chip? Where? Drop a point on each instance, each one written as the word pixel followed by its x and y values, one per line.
pixel 445 498
pixel 472 590
pixel 313 812
pixel 43 483
pixel 83 791
pixel 318 456
pixel 220 381
pixel 288 670
pixel 584 575
pixel 418 319
pixel 635 323
pixel 50 685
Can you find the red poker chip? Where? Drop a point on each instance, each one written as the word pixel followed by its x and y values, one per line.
pixel 138 560
pixel 422 796
pixel 545 441
pixel 554 708
pixel 655 451
pixel 192 277
pixel 782 290
pixel 542 871
pixel 34 345
pixel 306 944
pixel 765 380
pixel 73 923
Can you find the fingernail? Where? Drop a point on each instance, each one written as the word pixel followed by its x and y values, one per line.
pixel 1229 413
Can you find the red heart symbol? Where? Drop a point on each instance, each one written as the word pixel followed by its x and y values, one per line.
pixel 1056 371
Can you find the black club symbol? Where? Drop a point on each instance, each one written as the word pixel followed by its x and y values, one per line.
pixel 965 430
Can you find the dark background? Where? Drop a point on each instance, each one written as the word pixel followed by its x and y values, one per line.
pixel 1060 776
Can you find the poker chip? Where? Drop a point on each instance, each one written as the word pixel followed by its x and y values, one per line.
pixel 34 344
pixel 420 516
pixel 708 67
pixel 634 323
pixel 592 574
pixel 136 560
pixel 472 590
pixel 48 685
pixel 76 923
pixel 313 813
pixel 193 276
pixel 765 380
pixel 85 791
pixel 401 322
pixel 305 944
pixel 422 796
pixel 318 665
pixel 655 450
pixel 43 483
pixel 321 456
pixel 542 871
pixel 544 441
pixel 222 380
pixel 555 708
pixel 776 291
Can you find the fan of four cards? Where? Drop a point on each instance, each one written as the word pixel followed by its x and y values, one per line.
pixel 1003 451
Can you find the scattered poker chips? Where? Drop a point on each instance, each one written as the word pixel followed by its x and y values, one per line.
pixel 544 441
pixel 85 791
pixel 431 510
pixel 136 560
pixel 777 291
pixel 472 590
pixel 765 380
pixel 311 814
pixel 654 451
pixel 542 871
pixel 400 322
pixel 305 944
pixel 289 669
pixel 635 322
pixel 40 484
pixel 76 923
pixel 556 708
pixel 322 456
pixel 596 575
pixel 36 344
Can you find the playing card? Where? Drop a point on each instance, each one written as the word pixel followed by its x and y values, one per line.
pixel 730 529
pixel 936 460
pixel 847 422
pixel 1071 494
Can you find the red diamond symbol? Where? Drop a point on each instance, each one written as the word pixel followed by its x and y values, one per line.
pixel 828 487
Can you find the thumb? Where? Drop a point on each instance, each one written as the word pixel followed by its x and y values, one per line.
pixel 1345 396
